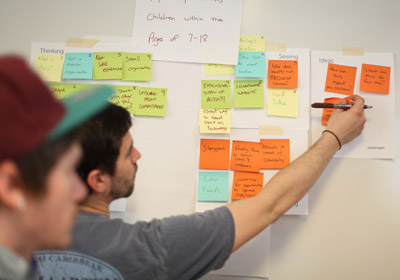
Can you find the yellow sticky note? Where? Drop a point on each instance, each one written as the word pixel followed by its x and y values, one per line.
pixel 49 66
pixel 62 91
pixel 215 120
pixel 252 43
pixel 283 102
pixel 124 97
pixel 107 66
pixel 218 69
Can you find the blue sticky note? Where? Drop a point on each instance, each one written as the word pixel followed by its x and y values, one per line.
pixel 251 65
pixel 213 186
pixel 78 66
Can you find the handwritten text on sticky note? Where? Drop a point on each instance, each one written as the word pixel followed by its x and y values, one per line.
pixel 340 79
pixel 248 94
pixel 375 78
pixel 215 121
pixel 252 43
pixel 150 101
pixel 136 66
pixel 246 184
pixel 214 153
pixel 275 153
pixel 213 186
pixel 78 66
pixel 124 97
pixel 246 156
pixel 283 102
pixel 216 94
pixel 251 65
pixel 49 66
pixel 107 66
pixel 62 91
pixel 282 74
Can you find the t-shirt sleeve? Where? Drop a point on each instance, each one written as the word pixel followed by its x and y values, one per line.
pixel 198 243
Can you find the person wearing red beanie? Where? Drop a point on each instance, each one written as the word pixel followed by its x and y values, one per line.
pixel 39 153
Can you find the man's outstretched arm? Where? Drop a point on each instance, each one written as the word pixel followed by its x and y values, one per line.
pixel 290 184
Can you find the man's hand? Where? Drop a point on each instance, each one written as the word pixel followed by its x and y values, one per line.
pixel 348 124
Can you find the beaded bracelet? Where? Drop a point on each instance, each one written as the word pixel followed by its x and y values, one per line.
pixel 337 138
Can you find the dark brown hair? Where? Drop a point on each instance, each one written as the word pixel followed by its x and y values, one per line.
pixel 101 139
pixel 35 167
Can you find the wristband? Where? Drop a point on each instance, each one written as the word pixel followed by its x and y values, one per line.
pixel 337 138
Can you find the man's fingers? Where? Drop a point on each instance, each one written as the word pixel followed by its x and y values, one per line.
pixel 358 102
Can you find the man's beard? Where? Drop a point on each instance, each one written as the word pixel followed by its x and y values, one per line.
pixel 122 187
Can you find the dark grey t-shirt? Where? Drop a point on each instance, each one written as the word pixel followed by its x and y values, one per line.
pixel 178 247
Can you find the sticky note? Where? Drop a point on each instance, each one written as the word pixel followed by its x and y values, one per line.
pixel 275 153
pixel 327 112
pixel 340 79
pixel 62 91
pixel 252 43
pixel 218 69
pixel 49 66
pixel 213 186
pixel 282 74
pixel 214 153
pixel 150 101
pixel 124 97
pixel 248 94
pixel 107 66
pixel 246 156
pixel 137 66
pixel 215 121
pixel 246 184
pixel 215 94
pixel 283 102
pixel 78 66
pixel 251 65
pixel 375 78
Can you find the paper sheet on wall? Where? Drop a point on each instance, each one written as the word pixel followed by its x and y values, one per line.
pixel 298 145
pixel 253 117
pixel 189 31
pixel 378 137
pixel 110 46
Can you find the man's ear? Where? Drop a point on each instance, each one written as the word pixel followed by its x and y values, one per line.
pixel 11 194
pixel 97 181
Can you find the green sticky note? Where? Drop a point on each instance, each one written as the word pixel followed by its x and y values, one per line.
pixel 150 101
pixel 124 97
pixel 107 66
pixel 62 91
pixel 283 102
pixel 136 66
pixel 251 65
pixel 213 186
pixel 49 66
pixel 215 94
pixel 78 66
pixel 248 94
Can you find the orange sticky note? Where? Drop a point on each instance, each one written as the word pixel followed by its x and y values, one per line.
pixel 275 153
pixel 327 112
pixel 214 153
pixel 375 78
pixel 246 156
pixel 246 184
pixel 340 79
pixel 282 74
